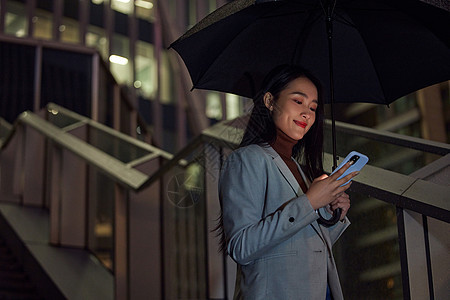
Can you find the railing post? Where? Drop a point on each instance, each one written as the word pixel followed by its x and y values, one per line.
pixel 403 253
pixel 121 244
pixel 144 240
pixel 11 159
pixel 33 168
pixel 55 161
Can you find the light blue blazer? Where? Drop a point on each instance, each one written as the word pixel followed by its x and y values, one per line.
pixel 272 232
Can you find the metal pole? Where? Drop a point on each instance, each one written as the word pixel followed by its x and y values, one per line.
pixel 329 26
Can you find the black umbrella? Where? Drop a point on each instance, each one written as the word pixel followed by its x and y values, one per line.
pixel 363 51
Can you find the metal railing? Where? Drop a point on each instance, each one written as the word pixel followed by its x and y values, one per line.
pixel 84 173
pixel 149 216
pixel 381 200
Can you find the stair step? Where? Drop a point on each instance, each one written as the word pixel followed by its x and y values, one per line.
pixel 12 266
pixel 12 275
pixel 14 283
pixel 19 295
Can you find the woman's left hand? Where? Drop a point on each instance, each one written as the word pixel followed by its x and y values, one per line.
pixel 342 202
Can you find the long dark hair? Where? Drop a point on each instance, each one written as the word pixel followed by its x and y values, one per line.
pixel 261 127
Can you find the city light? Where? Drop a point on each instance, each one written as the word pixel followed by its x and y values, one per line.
pixel 120 60
pixel 144 4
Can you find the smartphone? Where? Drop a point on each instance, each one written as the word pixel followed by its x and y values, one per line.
pixel 359 160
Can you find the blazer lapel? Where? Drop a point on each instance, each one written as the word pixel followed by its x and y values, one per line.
pixel 284 169
pixel 287 174
pixel 315 225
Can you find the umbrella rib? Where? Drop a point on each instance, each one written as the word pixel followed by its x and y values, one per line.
pixel 349 23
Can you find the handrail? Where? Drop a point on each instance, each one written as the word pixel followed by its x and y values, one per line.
pixel 401 190
pixel 392 138
pixel 111 166
pixel 52 107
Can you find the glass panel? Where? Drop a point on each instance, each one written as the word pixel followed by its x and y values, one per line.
pixel 43 25
pixel 59 119
pixel 384 155
pixel 114 146
pixel 66 80
pixel 15 20
pixel 95 37
pixel 121 66
pixel 123 6
pixel 69 31
pixel 145 9
pixel 184 234
pixel 146 73
pixel 233 106
pixel 368 252
pixel 213 106
pixel 17 91
pixel 166 80
pixel 101 216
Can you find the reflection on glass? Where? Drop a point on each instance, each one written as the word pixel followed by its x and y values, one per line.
pixel 69 31
pixel 114 146
pixel 146 79
pixel 145 9
pixel 95 37
pixel 43 25
pixel 183 232
pixel 121 70
pixel 391 157
pixel 59 119
pixel 233 106
pixel 213 106
pixel 166 80
pixel 15 22
pixel 123 6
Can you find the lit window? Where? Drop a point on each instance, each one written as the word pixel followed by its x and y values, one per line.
pixel 213 106
pixel 233 107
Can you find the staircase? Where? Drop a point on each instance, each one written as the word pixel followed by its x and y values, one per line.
pixel 14 283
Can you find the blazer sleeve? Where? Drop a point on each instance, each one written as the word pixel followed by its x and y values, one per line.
pixel 243 187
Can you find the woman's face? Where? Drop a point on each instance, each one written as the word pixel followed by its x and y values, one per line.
pixel 294 112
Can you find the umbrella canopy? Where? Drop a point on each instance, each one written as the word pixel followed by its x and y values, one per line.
pixel 362 51
pixel 382 49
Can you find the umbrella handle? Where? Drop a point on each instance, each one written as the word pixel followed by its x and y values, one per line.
pixel 333 220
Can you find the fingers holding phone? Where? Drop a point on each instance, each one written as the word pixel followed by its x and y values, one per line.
pixel 350 167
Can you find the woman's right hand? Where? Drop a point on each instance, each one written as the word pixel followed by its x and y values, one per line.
pixel 325 189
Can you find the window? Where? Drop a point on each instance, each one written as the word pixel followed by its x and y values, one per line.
pixel 15 21
pixel 146 77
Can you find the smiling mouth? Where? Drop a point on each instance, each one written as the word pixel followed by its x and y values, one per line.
pixel 301 124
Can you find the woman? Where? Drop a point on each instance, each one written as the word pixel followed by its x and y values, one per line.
pixel 269 203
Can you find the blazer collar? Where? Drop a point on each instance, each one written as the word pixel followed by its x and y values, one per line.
pixel 284 169
pixel 287 174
